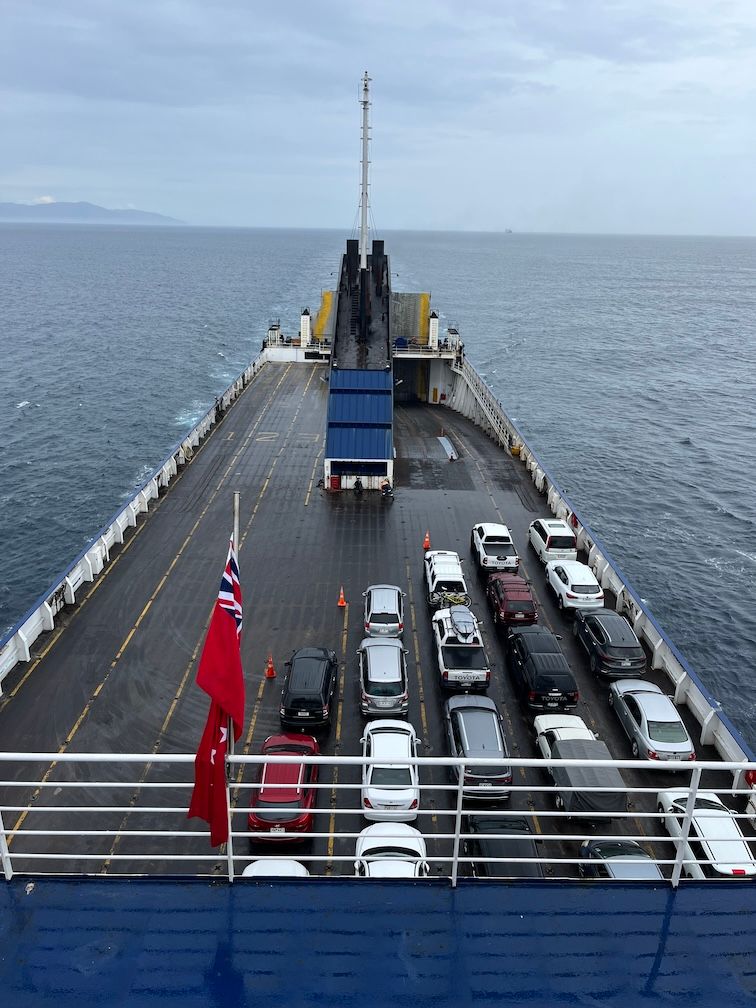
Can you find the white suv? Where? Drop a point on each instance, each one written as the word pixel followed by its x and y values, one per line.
pixel 574 585
pixel 444 579
pixel 552 539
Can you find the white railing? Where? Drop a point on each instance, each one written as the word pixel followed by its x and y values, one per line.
pixel 475 400
pixel 16 645
pixel 125 815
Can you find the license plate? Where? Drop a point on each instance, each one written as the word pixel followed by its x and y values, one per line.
pixel 277 829
pixel 485 784
pixel 552 703
pixel 519 615
pixel 626 662
pixel 302 713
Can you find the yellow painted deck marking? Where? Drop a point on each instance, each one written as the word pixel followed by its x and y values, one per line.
pixel 418 664
pixel 335 777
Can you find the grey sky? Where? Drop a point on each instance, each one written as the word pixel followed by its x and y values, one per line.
pixel 553 115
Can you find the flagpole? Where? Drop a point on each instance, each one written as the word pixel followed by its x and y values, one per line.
pixel 229 722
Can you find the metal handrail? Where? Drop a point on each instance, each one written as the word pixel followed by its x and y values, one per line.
pixel 31 846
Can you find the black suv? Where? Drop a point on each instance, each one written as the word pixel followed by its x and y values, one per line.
pixel 540 672
pixel 308 691
pixel 502 837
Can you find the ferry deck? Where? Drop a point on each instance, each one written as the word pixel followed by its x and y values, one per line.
pixel 118 677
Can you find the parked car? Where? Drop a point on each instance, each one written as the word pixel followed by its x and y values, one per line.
pixel 461 657
pixel 551 728
pixel 610 642
pixel 307 694
pixel 383 676
pixel 579 793
pixel 539 670
pixel 390 850
pixel 493 838
pixel 384 611
pixel 444 580
pixel 390 787
pixel 574 585
pixel 617 858
pixel 716 847
pixel 275 868
pixel 651 721
pixel 475 730
pixel 493 549
pixel 552 539
pixel 284 802
pixel 511 600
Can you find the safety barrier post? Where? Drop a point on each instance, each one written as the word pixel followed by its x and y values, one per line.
pixel 4 852
pixel 680 841
pixel 458 823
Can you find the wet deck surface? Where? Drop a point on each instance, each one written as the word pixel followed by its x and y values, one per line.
pixel 120 677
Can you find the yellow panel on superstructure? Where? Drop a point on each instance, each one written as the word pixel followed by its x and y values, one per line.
pixel 423 318
pixel 325 313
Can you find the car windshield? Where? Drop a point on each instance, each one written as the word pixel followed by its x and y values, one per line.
pixel 471 658
pixel 667 731
pixel 488 771
pixel 263 807
pixel 587 589
pixel 616 848
pixel 385 689
pixel 387 776
pixel 289 750
pixel 391 852
pixel 523 606
pixel 561 542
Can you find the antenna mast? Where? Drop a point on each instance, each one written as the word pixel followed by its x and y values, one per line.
pixel 365 102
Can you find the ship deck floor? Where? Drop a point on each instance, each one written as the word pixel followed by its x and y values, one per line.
pixel 119 678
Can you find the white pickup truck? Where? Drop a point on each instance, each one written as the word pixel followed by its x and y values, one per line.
pixel 461 657
pixel 493 549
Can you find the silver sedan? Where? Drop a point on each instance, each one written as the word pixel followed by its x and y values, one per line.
pixel 651 721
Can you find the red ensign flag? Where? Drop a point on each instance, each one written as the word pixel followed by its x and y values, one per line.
pixel 220 676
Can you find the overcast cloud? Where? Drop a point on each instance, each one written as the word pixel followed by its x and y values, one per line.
pixel 544 115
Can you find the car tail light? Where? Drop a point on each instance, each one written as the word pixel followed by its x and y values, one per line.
pixel 444 674
pixel 401 626
pixel 367 625
pixel 599 596
pixel 573 697
pixel 404 696
pixel 532 695
pixel 366 802
pixel 414 804
pixel 325 712
pixel 738 871
pixel 652 754
pixel 692 756
pixel 485 561
pixel 571 595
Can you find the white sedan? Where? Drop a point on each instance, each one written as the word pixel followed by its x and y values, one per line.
pixel 390 850
pixel 574 585
pixel 551 728
pixel 390 786
pixel 715 847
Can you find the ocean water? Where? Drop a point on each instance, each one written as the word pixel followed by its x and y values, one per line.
pixel 628 362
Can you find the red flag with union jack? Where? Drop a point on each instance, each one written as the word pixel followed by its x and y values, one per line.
pixel 220 676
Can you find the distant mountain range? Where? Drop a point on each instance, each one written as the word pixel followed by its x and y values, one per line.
pixel 78 213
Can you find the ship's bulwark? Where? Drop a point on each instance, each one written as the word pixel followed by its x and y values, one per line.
pixel 338 943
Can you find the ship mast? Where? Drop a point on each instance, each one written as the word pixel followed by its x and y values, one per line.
pixel 365 102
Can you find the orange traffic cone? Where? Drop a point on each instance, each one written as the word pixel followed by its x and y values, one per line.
pixel 270 672
pixel 426 541
pixel 342 600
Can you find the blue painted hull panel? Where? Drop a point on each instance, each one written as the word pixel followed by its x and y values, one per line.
pixel 338 943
